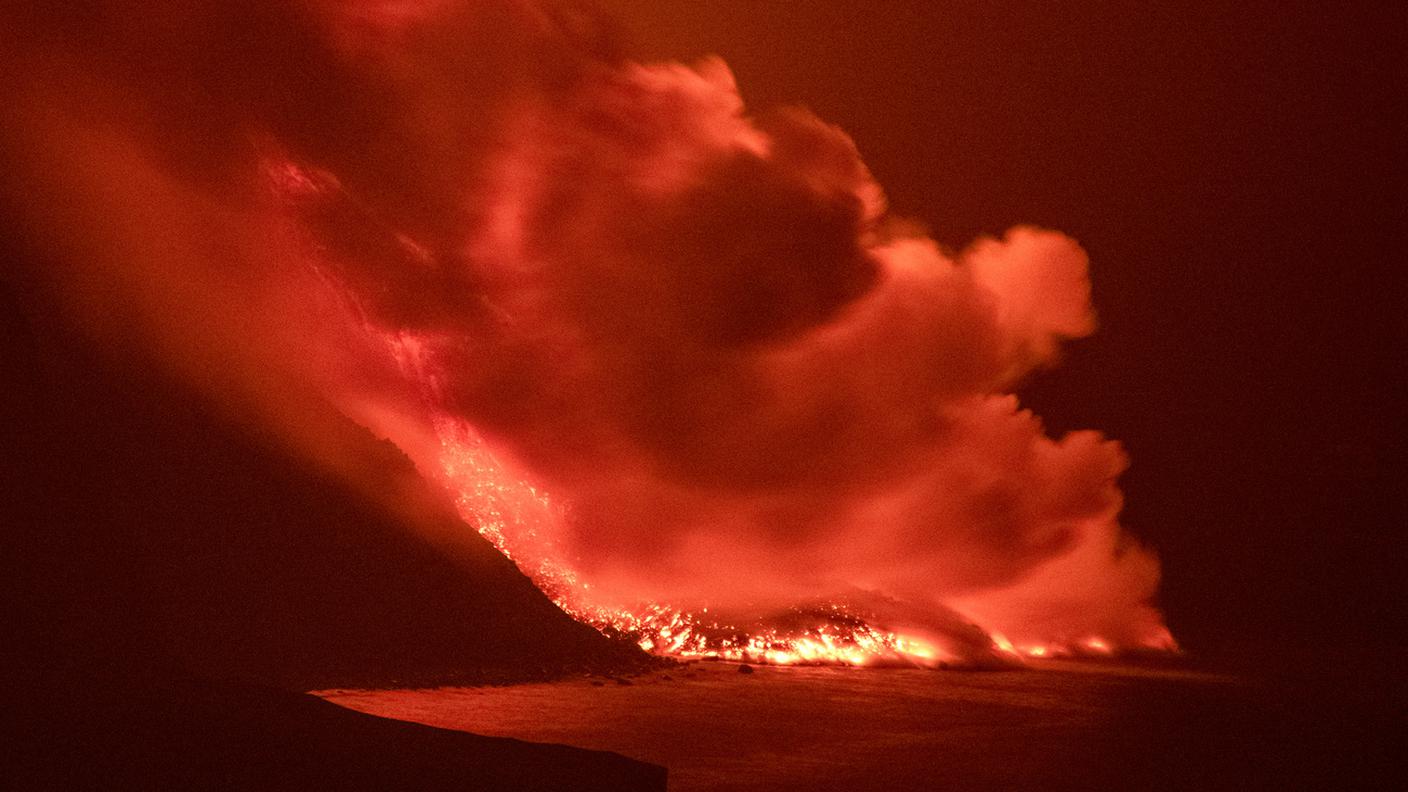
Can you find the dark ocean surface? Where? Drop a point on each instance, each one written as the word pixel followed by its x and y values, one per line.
pixel 1062 725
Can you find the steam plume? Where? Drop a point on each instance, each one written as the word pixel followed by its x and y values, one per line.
pixel 480 230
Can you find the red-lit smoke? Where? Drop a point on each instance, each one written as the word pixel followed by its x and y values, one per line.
pixel 731 378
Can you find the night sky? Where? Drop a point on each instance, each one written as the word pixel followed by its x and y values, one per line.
pixel 294 292
pixel 1236 173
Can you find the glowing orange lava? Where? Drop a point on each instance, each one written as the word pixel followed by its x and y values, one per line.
pixel 520 520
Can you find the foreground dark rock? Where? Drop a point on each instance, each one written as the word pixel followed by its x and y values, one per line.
pixel 93 729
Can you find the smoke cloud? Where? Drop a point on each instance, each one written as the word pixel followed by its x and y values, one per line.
pixel 730 378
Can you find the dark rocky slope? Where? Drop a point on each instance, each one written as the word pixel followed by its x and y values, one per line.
pixel 166 567
pixel 144 517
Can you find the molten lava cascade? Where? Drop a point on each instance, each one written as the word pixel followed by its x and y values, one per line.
pixel 521 520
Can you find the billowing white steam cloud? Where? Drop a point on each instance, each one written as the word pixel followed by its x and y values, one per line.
pixel 695 328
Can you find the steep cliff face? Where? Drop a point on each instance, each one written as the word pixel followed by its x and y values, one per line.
pixel 143 522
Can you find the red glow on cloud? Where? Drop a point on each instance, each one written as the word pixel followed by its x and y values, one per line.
pixel 674 358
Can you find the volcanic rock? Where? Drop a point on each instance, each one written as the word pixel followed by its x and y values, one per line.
pixel 146 516
pixel 164 730
pixel 154 543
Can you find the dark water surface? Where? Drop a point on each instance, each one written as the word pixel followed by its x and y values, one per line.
pixel 1063 726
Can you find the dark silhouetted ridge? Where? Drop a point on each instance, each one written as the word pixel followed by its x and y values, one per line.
pixel 168 568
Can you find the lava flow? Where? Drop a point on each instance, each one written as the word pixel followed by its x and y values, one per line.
pixel 520 520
